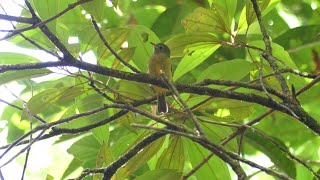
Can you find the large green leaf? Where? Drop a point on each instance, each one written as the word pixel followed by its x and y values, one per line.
pixel 115 37
pixel 86 150
pixel 294 41
pixel 215 168
pixel 96 8
pixel 160 174
pixel 183 44
pixel 16 58
pixel 216 134
pixel 24 74
pixel 88 103
pixel 226 110
pixel 133 90
pixel 126 54
pixel 47 9
pixel 142 157
pixel 104 158
pixel 250 14
pixel 173 25
pixel 279 158
pixel 137 38
pixel 205 20
pixel 45 99
pixel 225 10
pixel 173 156
pixel 194 59
pixel 225 70
pixel 73 166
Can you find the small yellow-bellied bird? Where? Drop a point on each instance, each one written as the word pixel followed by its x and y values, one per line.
pixel 160 63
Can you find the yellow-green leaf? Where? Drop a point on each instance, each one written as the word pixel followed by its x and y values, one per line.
pixel 142 157
pixel 24 74
pixel 194 59
pixel 173 156
pixel 45 99
pixel 205 20
pixel 182 44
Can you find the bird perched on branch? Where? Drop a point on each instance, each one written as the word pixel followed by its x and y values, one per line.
pixel 160 63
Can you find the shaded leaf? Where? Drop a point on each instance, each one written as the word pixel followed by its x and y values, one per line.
pixel 173 156
pixel 278 157
pixel 142 157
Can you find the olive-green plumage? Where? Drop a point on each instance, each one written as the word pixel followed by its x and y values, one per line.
pixel 160 63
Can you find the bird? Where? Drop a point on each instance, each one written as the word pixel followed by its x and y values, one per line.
pixel 160 63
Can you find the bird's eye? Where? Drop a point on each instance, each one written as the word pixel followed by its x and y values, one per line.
pixel 160 47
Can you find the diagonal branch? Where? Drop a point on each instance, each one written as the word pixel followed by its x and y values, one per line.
pixel 17 19
pixel 38 23
pixel 267 54
pixel 105 42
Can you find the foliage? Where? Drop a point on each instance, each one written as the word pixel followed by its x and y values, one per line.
pixel 221 69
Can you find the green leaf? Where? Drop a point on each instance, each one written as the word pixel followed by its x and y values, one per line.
pixel 173 156
pixel 250 14
pixel 193 60
pixel 104 158
pixel 73 166
pixel 126 54
pixel 160 174
pixel 215 168
pixel 225 10
pixel 101 133
pixel 86 104
pixel 278 157
pixel 96 8
pixel 24 74
pixel 133 90
pixel 86 149
pixel 173 25
pixel 225 70
pixel 143 49
pixel 47 9
pixel 292 39
pixel 142 157
pixel 115 37
pixel 46 98
pixel 16 58
pixel 216 134
pixel 227 110
pixel 282 55
pixel 183 44
pixel 205 20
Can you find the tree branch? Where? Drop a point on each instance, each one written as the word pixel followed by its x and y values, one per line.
pixel 17 19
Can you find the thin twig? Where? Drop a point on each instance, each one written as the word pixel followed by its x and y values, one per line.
pixel 185 106
pixel 39 23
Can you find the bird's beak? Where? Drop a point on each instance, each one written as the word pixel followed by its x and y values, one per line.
pixel 153 44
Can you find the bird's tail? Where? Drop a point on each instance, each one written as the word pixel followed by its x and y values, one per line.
pixel 162 103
